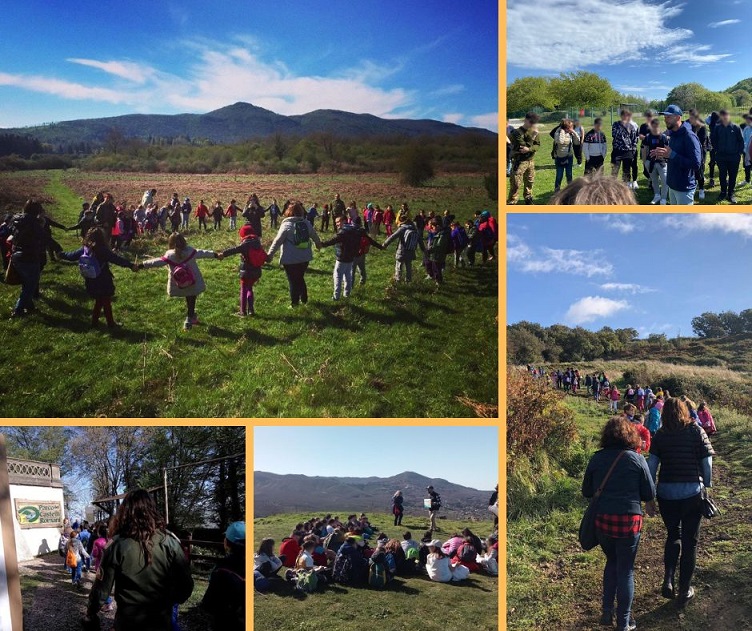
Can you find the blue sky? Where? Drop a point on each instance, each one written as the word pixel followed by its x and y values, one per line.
pixel 653 273
pixel 435 59
pixel 644 47
pixel 379 451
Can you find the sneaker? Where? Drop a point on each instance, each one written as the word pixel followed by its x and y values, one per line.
pixel 701 194
pixel 194 319
pixel 732 199
pixel 656 199
pixel 635 185
pixel 529 201
pixel 663 202
pixel 335 298
pixel 721 197
pixel 667 590
pixel 712 183
pixel 187 325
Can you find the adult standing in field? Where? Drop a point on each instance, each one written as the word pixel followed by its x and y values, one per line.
pixel 525 143
pixel 681 456
pixel 683 155
pixel 397 508
pixel 595 147
pixel 27 241
pixel 338 207
pixel 145 565
pixel 701 131
pixel 148 198
pixel 565 139
pixel 624 147
pixel 626 482
pixel 106 215
pixel 712 121
pixel 728 141
pixel 656 168
pixel 434 506
pixel 294 242
pixel 254 213
pixel 274 213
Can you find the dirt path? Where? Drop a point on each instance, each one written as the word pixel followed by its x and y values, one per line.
pixel 723 579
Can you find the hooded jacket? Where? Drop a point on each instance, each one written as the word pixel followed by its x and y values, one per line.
pixel 684 159
pixel 291 254
pixel 347 243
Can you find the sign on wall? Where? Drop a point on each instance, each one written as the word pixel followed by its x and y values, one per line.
pixel 11 608
pixel 39 514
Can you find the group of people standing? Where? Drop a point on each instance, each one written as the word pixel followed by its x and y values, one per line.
pixel 671 154
pixel 668 470
pixel 28 241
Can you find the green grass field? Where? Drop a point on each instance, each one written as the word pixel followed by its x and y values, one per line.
pixel 545 171
pixel 553 584
pixel 404 351
pixel 408 603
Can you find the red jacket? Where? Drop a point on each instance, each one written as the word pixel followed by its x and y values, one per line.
pixel 289 548
pixel 201 211
pixel 644 437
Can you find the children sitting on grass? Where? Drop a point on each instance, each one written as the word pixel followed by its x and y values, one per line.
pixel 354 553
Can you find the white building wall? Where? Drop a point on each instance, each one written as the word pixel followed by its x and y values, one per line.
pixel 32 542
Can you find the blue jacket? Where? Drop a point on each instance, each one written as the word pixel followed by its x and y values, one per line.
pixel 685 158
pixel 629 484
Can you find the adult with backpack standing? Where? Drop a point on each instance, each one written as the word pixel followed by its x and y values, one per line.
pixel 681 457
pixel 683 155
pixel 728 142
pixel 408 241
pixel 27 241
pixel 617 479
pixel 293 240
pixel 397 508
pixel 434 506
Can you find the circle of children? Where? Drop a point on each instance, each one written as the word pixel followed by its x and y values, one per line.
pixel 642 405
pixel 107 229
pixel 671 156
pixel 327 550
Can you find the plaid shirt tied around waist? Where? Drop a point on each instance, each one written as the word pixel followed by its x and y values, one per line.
pixel 618 526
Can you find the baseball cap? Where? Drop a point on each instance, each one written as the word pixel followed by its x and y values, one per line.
pixel 236 533
pixel 672 110
pixel 430 487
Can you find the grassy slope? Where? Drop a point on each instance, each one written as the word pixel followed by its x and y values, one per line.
pixel 408 604
pixel 374 355
pixel 545 172
pixel 554 584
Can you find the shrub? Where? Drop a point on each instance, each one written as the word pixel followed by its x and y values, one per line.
pixel 415 165
pixel 491 182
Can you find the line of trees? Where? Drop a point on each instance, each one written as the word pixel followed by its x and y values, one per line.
pixel 588 89
pixel 723 324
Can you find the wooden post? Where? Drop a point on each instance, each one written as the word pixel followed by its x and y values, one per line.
pixel 11 607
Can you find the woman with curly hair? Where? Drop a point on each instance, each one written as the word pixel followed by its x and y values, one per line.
pixel 618 520
pixel 146 566
pixel 681 456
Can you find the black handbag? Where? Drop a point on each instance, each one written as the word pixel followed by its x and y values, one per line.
pixel 708 506
pixel 588 537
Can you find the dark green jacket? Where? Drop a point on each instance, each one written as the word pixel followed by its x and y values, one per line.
pixel 144 594
pixel 522 137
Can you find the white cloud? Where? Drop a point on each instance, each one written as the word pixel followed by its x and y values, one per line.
pixel 618 223
pixel 563 261
pixel 723 23
pixel 137 73
pixel 448 90
pixel 234 74
pixel 453 117
pixel 487 121
pixel 627 288
pixel 594 308
pixel 729 223
pixel 636 29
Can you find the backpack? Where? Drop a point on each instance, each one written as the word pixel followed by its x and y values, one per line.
pixel 306 581
pixel 467 553
pixel 377 574
pixel 654 420
pixel 182 274
pixel 462 239
pixel 411 239
pixel 365 246
pixel 301 235
pixel 71 558
pixel 342 569
pixel 436 502
pixel 256 257
pixel 412 554
pixel 88 264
